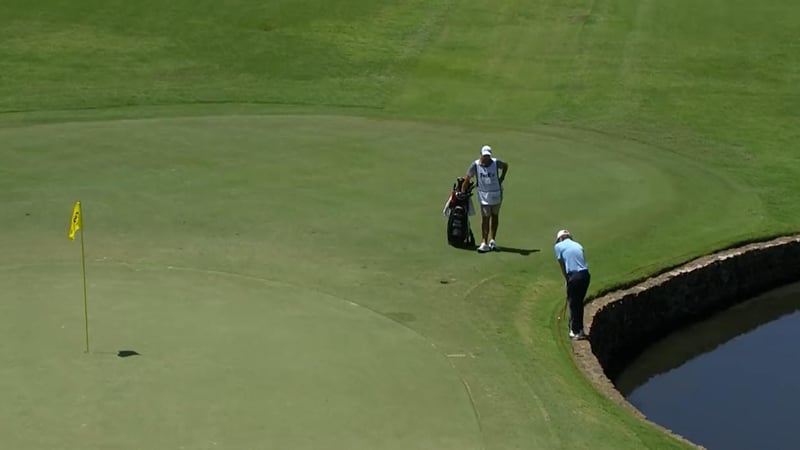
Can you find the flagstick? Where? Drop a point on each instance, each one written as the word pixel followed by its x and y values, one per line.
pixel 85 302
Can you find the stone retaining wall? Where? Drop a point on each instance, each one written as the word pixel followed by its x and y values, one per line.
pixel 623 323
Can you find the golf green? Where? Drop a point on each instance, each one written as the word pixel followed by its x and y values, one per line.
pixel 223 360
pixel 290 159
pixel 285 279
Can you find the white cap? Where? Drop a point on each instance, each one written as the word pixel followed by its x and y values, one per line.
pixel 486 150
pixel 562 233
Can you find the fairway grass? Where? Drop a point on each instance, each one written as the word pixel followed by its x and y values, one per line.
pixel 262 185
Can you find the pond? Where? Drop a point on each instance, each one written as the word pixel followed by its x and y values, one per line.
pixel 730 382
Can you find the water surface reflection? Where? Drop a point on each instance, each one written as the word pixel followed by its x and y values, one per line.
pixel 731 382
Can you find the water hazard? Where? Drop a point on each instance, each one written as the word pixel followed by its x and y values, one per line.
pixel 731 382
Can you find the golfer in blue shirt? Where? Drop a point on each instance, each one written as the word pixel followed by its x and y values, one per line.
pixel 576 273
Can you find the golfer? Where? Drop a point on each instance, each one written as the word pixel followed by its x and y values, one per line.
pixel 489 173
pixel 570 257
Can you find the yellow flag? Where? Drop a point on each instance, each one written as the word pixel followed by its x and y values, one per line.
pixel 76 223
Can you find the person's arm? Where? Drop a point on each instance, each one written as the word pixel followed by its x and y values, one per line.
pixel 504 171
pixel 472 171
pixel 560 259
pixel 465 184
pixel 563 269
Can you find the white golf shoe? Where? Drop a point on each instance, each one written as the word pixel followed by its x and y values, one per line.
pixel 492 245
pixel 483 248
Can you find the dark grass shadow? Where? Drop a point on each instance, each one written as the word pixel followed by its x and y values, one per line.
pixel 127 353
pixel 501 249
pixel 519 251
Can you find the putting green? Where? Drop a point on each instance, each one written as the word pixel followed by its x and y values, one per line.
pixel 226 361
pixel 287 221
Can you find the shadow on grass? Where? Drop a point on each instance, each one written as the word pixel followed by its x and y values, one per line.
pixel 519 251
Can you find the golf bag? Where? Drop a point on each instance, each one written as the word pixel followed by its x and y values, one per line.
pixel 457 209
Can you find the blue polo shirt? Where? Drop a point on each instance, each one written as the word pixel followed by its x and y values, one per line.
pixel 571 253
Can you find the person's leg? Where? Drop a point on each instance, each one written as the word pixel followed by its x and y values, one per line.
pixel 494 225
pixel 577 287
pixel 485 218
pixel 584 288
pixel 485 214
pixel 575 310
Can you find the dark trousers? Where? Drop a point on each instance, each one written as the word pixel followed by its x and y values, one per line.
pixel 577 285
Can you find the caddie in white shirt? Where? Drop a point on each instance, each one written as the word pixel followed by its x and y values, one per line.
pixel 489 173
